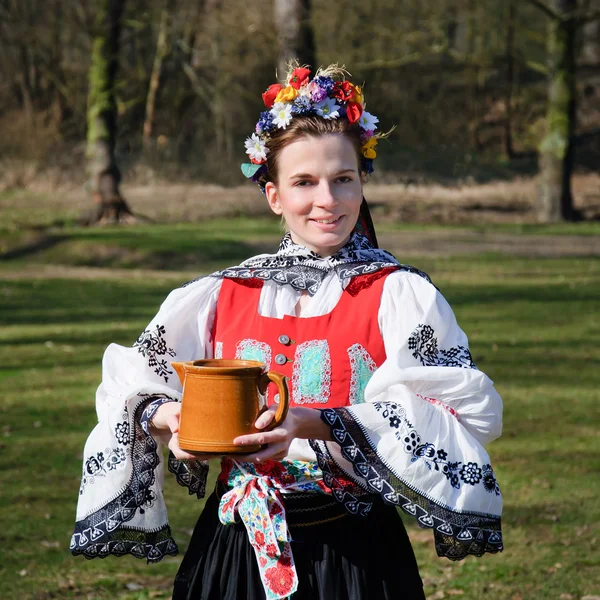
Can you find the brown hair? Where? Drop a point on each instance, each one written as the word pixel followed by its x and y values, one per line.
pixel 305 126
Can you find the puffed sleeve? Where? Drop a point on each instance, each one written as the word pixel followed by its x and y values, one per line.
pixel 121 509
pixel 418 438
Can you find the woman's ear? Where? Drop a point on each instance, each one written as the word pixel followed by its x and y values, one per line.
pixel 273 197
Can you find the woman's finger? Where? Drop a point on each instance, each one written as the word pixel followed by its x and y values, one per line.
pixel 265 437
pixel 173 423
pixel 178 452
pixel 266 418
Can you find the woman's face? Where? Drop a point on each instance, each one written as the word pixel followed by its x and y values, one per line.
pixel 318 191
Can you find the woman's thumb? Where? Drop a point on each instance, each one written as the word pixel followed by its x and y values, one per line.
pixel 173 423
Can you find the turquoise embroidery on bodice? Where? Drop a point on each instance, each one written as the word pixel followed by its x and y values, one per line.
pixel 311 377
pixel 363 367
pixel 249 349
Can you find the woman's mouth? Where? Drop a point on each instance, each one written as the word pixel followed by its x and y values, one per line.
pixel 327 221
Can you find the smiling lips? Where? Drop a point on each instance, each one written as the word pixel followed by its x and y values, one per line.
pixel 327 221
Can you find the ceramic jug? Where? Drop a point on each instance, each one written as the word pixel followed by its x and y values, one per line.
pixel 221 400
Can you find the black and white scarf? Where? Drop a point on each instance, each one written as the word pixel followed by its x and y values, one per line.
pixel 306 270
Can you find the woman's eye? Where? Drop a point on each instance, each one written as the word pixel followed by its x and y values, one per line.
pixel 302 183
pixel 344 179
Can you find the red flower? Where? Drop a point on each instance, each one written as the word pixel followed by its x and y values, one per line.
pixel 272 550
pixel 259 537
pixel 270 94
pixel 299 76
pixel 353 111
pixel 343 91
pixel 287 479
pixel 262 561
pixel 280 579
pixel 270 468
pixel 229 505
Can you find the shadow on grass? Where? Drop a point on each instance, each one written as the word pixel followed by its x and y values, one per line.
pixel 42 243
pixel 170 247
pixel 130 249
pixel 55 301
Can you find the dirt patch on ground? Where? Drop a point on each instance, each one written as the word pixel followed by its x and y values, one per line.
pixel 454 242
pixel 402 244
pixel 167 202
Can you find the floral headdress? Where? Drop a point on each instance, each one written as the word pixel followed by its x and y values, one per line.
pixel 328 95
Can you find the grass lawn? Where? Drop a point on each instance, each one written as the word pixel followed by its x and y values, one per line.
pixel 534 327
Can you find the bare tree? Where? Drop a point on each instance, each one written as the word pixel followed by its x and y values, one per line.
pixel 294 33
pixel 556 150
pixel 105 176
pixel 161 52
pixel 510 76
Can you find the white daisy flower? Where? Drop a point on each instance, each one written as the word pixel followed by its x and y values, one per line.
pixel 282 114
pixel 367 121
pixel 256 149
pixel 327 109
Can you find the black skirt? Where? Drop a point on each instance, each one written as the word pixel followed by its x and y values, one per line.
pixel 340 557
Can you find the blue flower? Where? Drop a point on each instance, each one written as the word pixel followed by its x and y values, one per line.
pixel 366 165
pixel 326 83
pixel 265 122
pixel 302 106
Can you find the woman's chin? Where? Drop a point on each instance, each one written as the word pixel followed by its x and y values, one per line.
pixel 329 243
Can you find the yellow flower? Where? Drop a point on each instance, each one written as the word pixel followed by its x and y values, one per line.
pixel 368 148
pixel 287 94
pixel 357 95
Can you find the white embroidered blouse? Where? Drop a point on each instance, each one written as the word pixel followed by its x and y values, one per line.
pixel 417 440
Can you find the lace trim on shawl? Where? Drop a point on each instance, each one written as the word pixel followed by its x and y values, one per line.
pixel 190 474
pixel 103 532
pixel 304 270
pixel 456 534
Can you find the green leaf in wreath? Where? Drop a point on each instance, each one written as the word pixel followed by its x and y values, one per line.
pixel 249 169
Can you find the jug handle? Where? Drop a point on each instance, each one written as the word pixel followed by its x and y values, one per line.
pixel 282 408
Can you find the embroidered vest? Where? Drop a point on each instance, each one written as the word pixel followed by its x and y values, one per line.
pixel 328 359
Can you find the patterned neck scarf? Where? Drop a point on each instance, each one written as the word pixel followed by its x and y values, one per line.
pixel 305 270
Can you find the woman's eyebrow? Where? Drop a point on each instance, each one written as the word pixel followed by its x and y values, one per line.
pixel 308 175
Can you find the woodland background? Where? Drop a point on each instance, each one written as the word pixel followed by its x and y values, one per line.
pixel 122 127
pixel 479 90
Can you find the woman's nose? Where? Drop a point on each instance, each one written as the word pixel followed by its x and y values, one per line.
pixel 325 196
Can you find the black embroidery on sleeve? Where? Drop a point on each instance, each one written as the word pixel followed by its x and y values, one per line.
pixel 456 534
pixel 424 344
pixel 105 532
pixel 151 344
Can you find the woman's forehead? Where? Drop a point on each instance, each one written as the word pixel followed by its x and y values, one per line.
pixel 310 153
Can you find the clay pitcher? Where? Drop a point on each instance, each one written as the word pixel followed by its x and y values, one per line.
pixel 221 400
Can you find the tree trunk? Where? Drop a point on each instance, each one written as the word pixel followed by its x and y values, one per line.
pixel 161 52
pixel 510 77
pixel 590 51
pixel 294 34
pixel 105 176
pixel 556 151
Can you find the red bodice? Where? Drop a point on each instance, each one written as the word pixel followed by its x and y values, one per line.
pixel 328 359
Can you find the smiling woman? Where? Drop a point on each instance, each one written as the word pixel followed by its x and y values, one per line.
pixel 317 189
pixel 387 409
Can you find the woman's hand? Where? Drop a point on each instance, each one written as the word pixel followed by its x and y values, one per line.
pixel 165 424
pixel 303 423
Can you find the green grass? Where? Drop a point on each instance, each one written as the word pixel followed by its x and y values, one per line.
pixel 534 327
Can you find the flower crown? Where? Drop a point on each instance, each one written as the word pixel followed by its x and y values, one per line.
pixel 328 95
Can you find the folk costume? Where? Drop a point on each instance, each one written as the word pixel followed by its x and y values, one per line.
pixel 378 351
